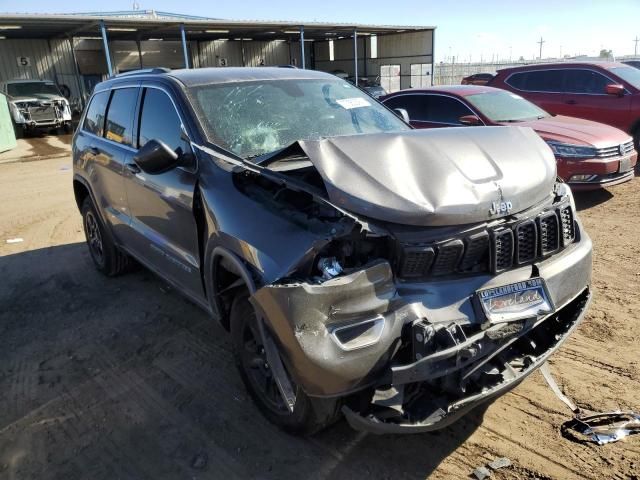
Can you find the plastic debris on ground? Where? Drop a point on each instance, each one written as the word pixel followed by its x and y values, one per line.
pixel 15 240
pixel 597 427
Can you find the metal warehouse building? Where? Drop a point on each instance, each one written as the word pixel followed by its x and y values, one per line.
pixel 79 50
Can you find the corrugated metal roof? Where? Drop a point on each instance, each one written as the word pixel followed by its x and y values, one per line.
pixel 149 23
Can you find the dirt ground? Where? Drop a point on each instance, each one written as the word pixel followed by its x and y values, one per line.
pixel 123 378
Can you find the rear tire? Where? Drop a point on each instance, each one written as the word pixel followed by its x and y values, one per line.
pixel 309 415
pixel 105 255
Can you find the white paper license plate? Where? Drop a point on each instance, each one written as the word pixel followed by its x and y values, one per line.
pixel 625 165
pixel 514 301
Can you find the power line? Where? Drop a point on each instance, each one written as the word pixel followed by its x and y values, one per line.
pixel 540 43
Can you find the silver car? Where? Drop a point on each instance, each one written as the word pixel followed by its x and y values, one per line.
pixel 36 104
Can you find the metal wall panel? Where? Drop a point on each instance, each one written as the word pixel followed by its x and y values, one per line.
pixel 402 49
pixel 36 50
pixel 266 53
pixel 212 53
pixel 49 60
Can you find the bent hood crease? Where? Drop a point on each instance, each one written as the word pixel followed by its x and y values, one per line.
pixel 434 177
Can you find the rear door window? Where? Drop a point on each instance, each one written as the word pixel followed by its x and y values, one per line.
pixel 538 81
pixel 119 124
pixel 160 121
pixel 94 120
pixel 585 81
pixel 444 109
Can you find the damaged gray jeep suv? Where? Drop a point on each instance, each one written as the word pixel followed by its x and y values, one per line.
pixel 397 277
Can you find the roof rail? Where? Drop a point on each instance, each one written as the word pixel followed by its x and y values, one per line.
pixel 144 71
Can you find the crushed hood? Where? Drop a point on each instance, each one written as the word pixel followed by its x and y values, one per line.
pixel 446 176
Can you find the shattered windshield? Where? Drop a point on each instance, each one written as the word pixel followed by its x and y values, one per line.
pixel 254 118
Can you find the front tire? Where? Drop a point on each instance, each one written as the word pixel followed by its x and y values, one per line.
pixel 309 415
pixel 105 255
pixel 19 131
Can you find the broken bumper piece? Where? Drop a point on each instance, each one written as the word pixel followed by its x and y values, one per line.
pixel 436 390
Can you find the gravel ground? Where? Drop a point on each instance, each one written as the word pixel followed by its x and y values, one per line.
pixel 123 378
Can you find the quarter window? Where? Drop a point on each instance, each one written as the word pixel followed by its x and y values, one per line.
pixel 120 115
pixel 160 121
pixel 94 120
pixel 537 81
pixel 585 81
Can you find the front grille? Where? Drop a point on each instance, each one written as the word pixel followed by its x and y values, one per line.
pixel 416 261
pixel 549 232
pixel 502 250
pixel 526 242
pixel 476 253
pixel 43 114
pixel 447 257
pixel 568 225
pixel 615 150
pixel 494 250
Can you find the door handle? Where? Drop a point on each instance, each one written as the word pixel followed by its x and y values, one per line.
pixel 133 168
pixel 570 102
pixel 94 151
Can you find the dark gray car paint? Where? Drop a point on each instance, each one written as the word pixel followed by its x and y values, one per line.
pixel 268 246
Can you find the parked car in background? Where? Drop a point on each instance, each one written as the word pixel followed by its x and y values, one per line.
pixel 633 63
pixel 372 87
pixel 36 104
pixel 589 154
pixel 477 79
pixel 606 92
pixel 396 276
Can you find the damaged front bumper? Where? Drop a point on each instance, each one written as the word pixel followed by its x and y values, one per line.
pixel 354 333
pixel 495 374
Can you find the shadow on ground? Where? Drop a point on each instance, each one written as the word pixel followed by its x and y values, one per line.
pixel 123 378
pixel 589 199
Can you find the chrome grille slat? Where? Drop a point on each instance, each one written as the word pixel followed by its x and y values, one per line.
pixel 615 150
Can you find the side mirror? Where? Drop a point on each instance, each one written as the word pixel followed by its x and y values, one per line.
pixel 614 89
pixel 156 157
pixel 402 113
pixel 470 120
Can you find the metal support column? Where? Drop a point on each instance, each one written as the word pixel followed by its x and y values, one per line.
pixel 355 54
pixel 81 90
pixel 433 59
pixel 302 62
pixel 184 46
pixel 139 51
pixel 105 43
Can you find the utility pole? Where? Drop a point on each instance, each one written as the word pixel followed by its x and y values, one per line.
pixel 635 50
pixel 540 43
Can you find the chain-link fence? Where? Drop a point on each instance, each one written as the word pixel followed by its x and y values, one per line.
pixel 452 73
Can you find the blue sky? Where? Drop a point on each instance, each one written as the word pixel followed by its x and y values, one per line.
pixel 466 29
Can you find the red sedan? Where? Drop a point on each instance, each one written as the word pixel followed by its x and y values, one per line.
pixel 589 154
